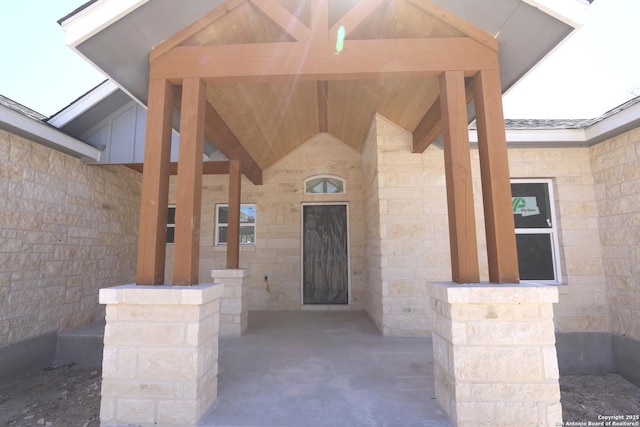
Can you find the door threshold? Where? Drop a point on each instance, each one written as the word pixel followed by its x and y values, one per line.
pixel 326 307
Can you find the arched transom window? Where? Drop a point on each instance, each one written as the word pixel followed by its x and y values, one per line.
pixel 324 184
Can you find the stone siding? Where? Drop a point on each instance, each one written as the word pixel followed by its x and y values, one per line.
pixel 410 197
pixel 616 167
pixel 373 256
pixel 583 302
pixel 160 364
pixel 399 227
pixel 413 233
pixel 494 355
pixel 277 253
pixel 66 230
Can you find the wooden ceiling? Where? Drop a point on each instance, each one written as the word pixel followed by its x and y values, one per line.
pixel 272 118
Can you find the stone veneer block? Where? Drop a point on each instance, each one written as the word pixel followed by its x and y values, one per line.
pixel 160 361
pixel 234 306
pixel 494 350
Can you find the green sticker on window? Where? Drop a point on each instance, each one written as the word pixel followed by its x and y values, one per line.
pixel 525 206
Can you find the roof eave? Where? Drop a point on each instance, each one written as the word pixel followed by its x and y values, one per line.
pixel 90 20
pixel 599 131
pixel 571 12
pixel 44 134
pixel 82 104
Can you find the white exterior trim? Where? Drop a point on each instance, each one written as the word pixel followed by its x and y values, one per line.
pixel 571 12
pixel 92 98
pixel 96 18
pixel 585 137
pixel 553 231
pixel 538 137
pixel 614 122
pixel 46 135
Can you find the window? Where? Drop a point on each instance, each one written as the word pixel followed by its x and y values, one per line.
pixel 171 223
pixel 536 230
pixel 247 224
pixel 324 185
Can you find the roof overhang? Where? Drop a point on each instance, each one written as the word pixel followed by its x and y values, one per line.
pixel 116 36
pixel 82 104
pixel 600 129
pixel 41 133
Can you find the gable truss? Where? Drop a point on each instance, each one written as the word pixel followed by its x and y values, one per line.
pixel 313 56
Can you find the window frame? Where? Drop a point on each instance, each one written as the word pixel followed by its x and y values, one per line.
pixel 218 224
pixel 552 231
pixel 311 178
pixel 171 225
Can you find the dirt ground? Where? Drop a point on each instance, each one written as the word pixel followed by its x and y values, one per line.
pixel 69 396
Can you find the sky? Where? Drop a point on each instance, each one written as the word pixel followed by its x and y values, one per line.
pixel 597 69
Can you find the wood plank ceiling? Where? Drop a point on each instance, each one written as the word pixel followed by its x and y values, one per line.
pixel 271 119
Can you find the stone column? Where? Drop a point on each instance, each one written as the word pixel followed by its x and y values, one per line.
pixel 160 363
pixel 494 350
pixel 234 304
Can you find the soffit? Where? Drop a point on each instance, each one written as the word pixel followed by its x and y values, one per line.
pixel 271 119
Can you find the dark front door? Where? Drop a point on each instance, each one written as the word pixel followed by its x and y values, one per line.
pixel 325 264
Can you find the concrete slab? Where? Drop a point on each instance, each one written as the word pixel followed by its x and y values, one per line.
pixel 585 353
pixel 323 369
pixel 82 346
pixel 627 356
pixel 27 357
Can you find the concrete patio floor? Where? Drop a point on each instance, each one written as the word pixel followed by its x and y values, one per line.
pixel 323 368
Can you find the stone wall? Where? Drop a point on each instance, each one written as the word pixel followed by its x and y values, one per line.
pixel 616 167
pixel 399 227
pixel 277 253
pixel 583 302
pixel 494 356
pixel 66 230
pixel 413 223
pixel 373 256
pixel 413 231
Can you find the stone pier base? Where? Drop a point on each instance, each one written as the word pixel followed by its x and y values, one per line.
pixel 234 304
pixel 495 359
pixel 160 364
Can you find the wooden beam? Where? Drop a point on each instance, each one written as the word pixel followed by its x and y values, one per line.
pixel 429 128
pixel 457 162
pixel 430 125
pixel 194 28
pixel 496 187
pixel 217 167
pixel 320 20
pixel 219 133
pixel 282 18
pixel 233 225
pixel 323 106
pixel 458 23
pixel 360 59
pixel 186 255
pixel 354 17
pixel 223 137
pixel 155 184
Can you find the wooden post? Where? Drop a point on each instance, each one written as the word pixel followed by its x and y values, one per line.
pixel 186 255
pixel 233 225
pixel 457 162
pixel 496 188
pixel 155 185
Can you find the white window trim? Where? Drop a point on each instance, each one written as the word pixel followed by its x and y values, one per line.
pixel 217 225
pixel 553 230
pixel 311 178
